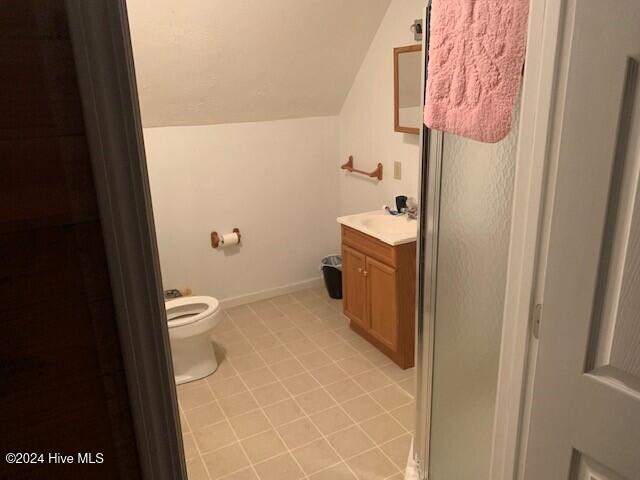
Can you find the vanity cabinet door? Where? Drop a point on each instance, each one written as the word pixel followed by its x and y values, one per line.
pixel 381 293
pixel 354 286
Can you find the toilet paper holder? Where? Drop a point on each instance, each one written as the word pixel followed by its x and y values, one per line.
pixel 217 241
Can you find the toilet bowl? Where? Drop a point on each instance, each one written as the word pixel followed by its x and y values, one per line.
pixel 191 321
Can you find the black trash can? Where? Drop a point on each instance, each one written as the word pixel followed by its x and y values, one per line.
pixel 332 270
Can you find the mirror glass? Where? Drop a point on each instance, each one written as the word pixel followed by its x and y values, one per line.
pixel 407 71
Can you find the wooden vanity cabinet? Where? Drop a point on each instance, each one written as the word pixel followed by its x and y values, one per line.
pixel 378 282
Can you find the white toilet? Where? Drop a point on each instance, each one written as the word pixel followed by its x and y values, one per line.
pixel 191 321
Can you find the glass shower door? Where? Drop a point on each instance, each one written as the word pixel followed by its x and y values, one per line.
pixel 469 206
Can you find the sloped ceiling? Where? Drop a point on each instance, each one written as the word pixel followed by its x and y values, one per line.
pixel 224 61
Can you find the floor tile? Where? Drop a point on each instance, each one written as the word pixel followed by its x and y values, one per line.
pixel 265 342
pixel 195 397
pixel 301 317
pixel 391 397
pixel 196 470
pixel 371 465
pixel 258 378
pixel 379 359
pixel 382 428
pixel 301 346
pixel 298 433
pixel 290 335
pixel 283 412
pixel 238 404
pixel 225 387
pixel 323 311
pixel 409 386
pixel 325 339
pixel 238 349
pixel 239 311
pixel 300 383
pixel 315 456
pixel 350 441
pixel 270 394
pixel 290 308
pixel 344 390
pixel 213 437
pixel 275 355
pixel 362 408
pixel 246 363
pixel 269 312
pixel 263 446
pixel 225 370
pixel 372 380
pixel 205 415
pixel 286 299
pixel 340 351
pixel 225 461
pixel 256 329
pixel 249 424
pixel 288 368
pixel 314 360
pixel 189 444
pixel 397 476
pixel 328 374
pixel 245 474
pixel 279 468
pixel 398 450
pixel 306 294
pixel 337 472
pixel 361 344
pixel 355 365
pixel 331 420
pixel 406 416
pixel 315 401
pixel 184 425
pixel 278 324
pixel 313 326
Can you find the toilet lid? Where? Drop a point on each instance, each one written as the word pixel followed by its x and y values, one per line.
pixel 185 310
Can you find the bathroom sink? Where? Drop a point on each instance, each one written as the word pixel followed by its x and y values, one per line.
pixel 393 230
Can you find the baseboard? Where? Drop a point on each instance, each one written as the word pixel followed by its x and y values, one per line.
pixel 271 292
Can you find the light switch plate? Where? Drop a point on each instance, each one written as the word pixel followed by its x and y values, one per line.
pixel 397 170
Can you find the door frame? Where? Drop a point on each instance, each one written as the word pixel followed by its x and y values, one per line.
pixel 527 249
pixel 104 64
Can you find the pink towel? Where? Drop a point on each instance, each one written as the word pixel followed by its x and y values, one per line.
pixel 476 55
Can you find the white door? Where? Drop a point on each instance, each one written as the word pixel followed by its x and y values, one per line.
pixel 585 416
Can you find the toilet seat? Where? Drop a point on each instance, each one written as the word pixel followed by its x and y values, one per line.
pixel 191 321
pixel 187 310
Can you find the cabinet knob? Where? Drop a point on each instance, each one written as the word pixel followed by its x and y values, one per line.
pixel 365 273
pixel 359 270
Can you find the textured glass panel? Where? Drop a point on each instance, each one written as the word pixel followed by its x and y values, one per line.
pixel 475 215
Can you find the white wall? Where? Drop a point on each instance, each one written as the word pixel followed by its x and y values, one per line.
pixel 366 119
pixel 277 181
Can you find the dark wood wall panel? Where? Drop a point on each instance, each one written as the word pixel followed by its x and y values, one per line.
pixel 62 383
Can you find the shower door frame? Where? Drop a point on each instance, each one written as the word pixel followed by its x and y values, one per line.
pixel 517 344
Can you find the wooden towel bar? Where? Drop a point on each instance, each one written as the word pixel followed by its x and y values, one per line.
pixel 377 173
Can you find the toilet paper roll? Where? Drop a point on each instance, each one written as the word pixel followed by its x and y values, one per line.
pixel 229 239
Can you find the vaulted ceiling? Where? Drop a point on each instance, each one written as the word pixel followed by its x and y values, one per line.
pixel 224 61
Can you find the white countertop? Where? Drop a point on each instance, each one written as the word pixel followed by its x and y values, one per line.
pixel 390 229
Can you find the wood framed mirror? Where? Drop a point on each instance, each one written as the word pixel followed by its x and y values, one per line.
pixel 407 111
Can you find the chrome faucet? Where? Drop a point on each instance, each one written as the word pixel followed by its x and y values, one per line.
pixel 412 209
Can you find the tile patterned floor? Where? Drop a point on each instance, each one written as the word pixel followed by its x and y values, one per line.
pixel 297 395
